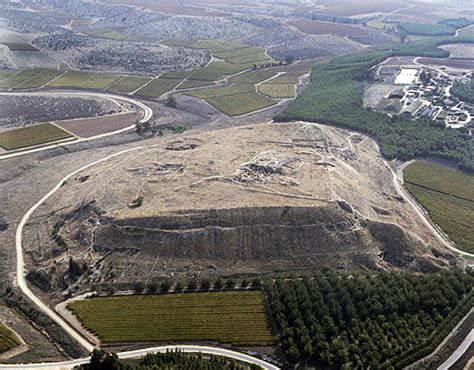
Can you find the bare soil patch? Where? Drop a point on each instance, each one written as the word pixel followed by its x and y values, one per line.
pixel 461 63
pixel 87 127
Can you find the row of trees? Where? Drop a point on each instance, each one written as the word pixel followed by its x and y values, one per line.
pixel 361 321
pixel 335 96
pixel 101 360
pixel 193 285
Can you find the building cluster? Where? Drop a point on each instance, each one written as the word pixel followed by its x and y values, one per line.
pixel 422 92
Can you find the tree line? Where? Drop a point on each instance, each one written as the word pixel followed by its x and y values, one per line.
pixel 101 360
pixel 381 320
pixel 335 96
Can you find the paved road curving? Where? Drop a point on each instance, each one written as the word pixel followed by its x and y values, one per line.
pixel 142 352
pixel 147 114
pixel 67 327
pixel 137 353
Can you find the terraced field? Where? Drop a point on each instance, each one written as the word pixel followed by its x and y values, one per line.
pixel 39 79
pixel 253 77
pixel 235 89
pixel 7 339
pixel 31 135
pixel 229 317
pixel 448 196
pixel 280 91
pixel 236 105
pixel 286 78
pixel 84 80
pixel 127 84
pixel 158 87
pixel 18 78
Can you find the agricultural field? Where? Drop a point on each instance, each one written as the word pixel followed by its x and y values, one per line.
pixel 237 318
pixel 468 31
pixel 84 80
pixel 7 339
pixel 326 28
pixel 176 75
pixel 347 9
pixel 216 70
pixel 176 42
pixel 18 78
pixel 4 74
pixel 235 89
pixel 112 35
pixel 190 84
pixel 278 91
pixel 461 63
pixel 12 46
pixel 236 105
pixel 253 77
pixel 127 84
pixel 448 196
pixel 31 135
pixel 39 79
pixel 285 78
pixel 378 24
pixel 158 87
pixel 49 108
pixel 87 127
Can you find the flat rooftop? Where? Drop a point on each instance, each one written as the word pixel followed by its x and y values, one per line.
pixel 406 76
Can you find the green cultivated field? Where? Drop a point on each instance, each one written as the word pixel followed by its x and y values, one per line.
pixel 448 196
pixel 18 78
pixel 278 91
pixel 113 35
pixel 13 46
pixel 127 84
pixel 7 339
pixel 216 70
pixel 229 317
pixel 235 105
pixel 286 78
pixel 235 89
pixel 189 84
pixel 38 80
pixel 176 75
pixel 84 80
pixel 158 87
pixel 4 74
pixel 32 135
pixel 253 77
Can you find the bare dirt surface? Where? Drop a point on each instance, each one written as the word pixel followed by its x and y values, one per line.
pixel 256 198
pixel 87 127
pixel 19 111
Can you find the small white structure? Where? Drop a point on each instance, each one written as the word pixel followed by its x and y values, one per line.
pixel 406 76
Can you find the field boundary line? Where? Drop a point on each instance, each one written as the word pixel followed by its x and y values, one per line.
pixel 147 114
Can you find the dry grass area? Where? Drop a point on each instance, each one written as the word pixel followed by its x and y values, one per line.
pixel 237 318
pixel 326 28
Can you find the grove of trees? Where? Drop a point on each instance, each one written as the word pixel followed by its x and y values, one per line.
pixel 335 96
pixel 378 320
pixel 102 360
pixel 464 90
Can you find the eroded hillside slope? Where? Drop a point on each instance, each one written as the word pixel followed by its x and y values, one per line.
pixel 261 198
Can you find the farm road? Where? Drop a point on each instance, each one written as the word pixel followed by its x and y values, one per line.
pixel 147 114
